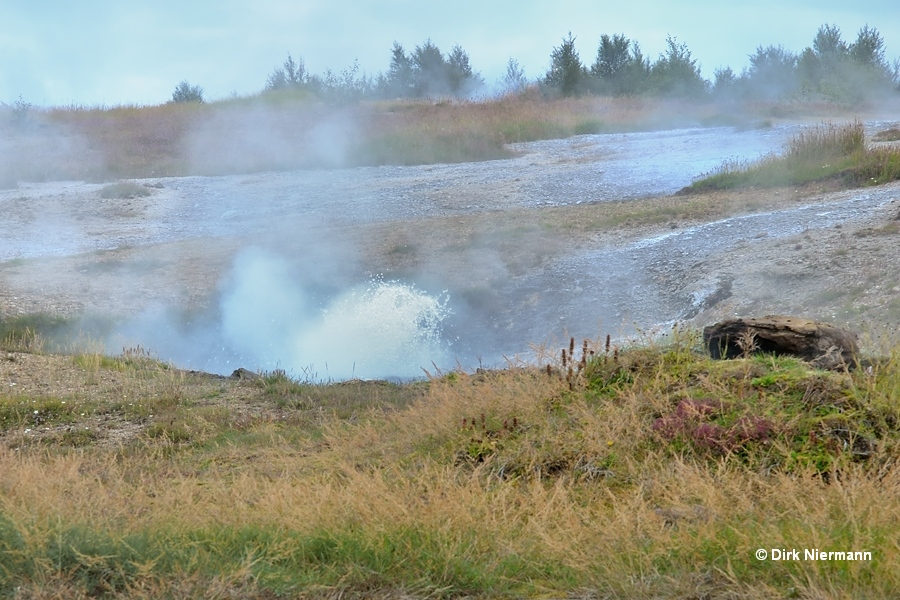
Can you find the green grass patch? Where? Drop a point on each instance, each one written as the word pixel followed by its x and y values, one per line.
pixel 892 228
pixel 416 147
pixel 135 360
pixel 532 129
pixel 589 126
pixel 403 250
pixel 272 560
pixel 15 262
pixel 31 333
pixel 342 399
pixel 74 437
pixel 30 413
pixel 891 134
pixel 826 152
pixel 763 412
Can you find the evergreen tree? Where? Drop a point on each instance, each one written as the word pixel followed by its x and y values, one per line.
pixel 847 73
pixel 430 71
pixel 566 72
pixel 868 49
pixel 400 78
pixel 726 85
pixel 184 92
pixel 773 72
pixel 637 74
pixel 611 66
pixel 291 75
pixel 819 64
pixel 828 43
pixel 676 73
pixel 461 79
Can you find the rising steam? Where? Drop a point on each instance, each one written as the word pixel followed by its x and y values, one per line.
pixel 379 329
pixel 267 320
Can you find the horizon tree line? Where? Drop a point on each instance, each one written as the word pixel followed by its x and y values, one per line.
pixel 423 73
pixel 830 68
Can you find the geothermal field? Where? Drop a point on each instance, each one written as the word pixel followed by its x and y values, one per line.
pixel 429 301
pixel 383 271
pixel 463 379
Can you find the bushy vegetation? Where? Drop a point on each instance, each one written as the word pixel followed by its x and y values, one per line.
pixel 643 471
pixel 830 69
pixel 423 73
pixel 33 332
pixel 306 120
pixel 185 92
pixel 826 152
pixel 291 128
pixel 427 73
pixel 567 73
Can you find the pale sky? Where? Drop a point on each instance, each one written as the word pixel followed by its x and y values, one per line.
pixel 107 53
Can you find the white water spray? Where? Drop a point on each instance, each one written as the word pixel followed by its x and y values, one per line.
pixel 382 329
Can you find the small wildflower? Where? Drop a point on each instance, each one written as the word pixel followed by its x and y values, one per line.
pixel 609 443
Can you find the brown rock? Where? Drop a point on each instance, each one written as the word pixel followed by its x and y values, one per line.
pixel 823 345
pixel 244 374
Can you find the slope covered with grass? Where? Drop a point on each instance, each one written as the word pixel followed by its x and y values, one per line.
pixel 647 471
pixel 290 129
pixel 828 152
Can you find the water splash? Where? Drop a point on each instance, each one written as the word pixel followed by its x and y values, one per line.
pixel 385 329
pixel 381 329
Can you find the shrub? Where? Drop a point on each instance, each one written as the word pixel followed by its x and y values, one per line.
pixel 292 75
pixel 185 92
pixel 514 81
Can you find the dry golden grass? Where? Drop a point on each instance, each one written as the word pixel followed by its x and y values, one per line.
pixel 284 131
pixel 513 483
pixel 288 130
pixel 838 155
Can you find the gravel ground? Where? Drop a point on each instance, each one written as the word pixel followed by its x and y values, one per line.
pixel 523 248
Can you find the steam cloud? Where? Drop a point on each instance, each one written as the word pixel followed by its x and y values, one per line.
pixel 267 320
pixel 368 331
pixel 264 138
